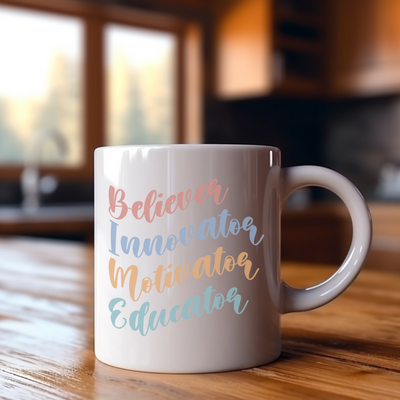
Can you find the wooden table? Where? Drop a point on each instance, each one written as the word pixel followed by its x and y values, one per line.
pixel 349 349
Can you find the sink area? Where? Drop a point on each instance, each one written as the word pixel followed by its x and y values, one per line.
pixel 47 213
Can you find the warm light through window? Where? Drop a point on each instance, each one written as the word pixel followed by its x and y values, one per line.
pixel 141 86
pixel 40 87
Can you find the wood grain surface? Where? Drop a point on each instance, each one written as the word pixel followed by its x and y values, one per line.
pixel 349 349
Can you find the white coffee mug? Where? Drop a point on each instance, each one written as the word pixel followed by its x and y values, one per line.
pixel 187 255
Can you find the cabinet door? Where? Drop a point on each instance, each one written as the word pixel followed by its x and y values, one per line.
pixel 364 56
pixel 243 49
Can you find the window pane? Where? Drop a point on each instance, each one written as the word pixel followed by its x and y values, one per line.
pixel 40 88
pixel 141 88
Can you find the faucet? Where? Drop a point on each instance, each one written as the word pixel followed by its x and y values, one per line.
pixel 32 185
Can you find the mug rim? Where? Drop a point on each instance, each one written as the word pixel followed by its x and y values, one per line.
pixel 192 146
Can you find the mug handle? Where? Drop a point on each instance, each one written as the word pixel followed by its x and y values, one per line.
pixel 293 300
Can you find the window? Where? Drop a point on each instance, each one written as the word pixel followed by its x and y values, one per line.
pixel 40 88
pixel 77 75
pixel 141 86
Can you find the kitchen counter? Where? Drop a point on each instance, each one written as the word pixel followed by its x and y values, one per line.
pixel 347 349
pixel 58 220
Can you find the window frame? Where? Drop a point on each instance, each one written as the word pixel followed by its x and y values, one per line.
pixel 94 17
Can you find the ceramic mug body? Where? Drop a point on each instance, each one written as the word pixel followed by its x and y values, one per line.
pixel 187 254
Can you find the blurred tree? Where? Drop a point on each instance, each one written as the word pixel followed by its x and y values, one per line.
pixel 61 110
pixel 134 128
pixel 10 147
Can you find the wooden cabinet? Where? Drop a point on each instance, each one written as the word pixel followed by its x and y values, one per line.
pixel 299 46
pixel 364 47
pixel 307 47
pixel 243 49
pixel 322 233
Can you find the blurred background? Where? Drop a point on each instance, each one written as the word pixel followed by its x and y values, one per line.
pixel 320 79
